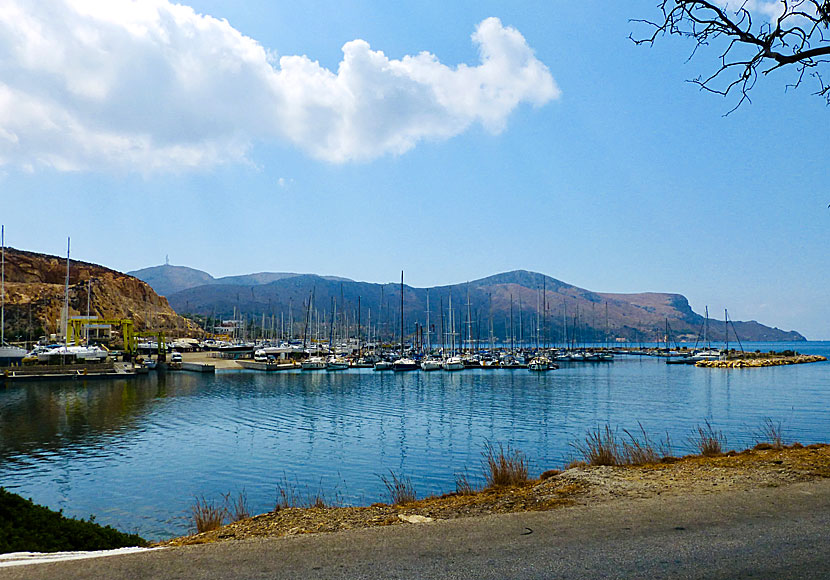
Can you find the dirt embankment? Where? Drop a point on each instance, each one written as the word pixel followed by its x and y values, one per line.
pixel 580 485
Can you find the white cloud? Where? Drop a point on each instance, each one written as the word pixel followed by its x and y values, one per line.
pixel 146 86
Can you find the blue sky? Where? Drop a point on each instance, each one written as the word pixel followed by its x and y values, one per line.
pixel 595 162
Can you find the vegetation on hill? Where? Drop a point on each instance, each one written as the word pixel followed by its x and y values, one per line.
pixel 28 527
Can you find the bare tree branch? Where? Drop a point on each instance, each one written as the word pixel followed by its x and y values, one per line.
pixel 795 34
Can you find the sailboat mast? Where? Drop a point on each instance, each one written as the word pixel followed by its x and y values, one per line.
pixel 66 296
pixel 401 313
pixel 512 343
pixel 726 330
pixel 429 342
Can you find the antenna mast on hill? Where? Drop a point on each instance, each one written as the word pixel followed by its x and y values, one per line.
pixel 166 259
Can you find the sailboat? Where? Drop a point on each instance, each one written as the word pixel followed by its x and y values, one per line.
pixel 404 363
pixel 430 363
pixel 8 354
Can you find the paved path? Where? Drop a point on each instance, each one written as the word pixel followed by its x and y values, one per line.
pixel 766 533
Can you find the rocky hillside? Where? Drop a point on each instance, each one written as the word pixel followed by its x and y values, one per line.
pixel 35 297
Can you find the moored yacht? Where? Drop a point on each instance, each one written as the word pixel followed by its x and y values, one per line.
pixel 314 363
pixel 337 363
pixel 431 364
pixel 454 363
pixel 405 364
pixel 541 363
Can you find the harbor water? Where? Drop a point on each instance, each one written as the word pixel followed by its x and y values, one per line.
pixel 136 453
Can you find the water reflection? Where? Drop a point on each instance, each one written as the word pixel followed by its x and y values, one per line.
pixel 135 453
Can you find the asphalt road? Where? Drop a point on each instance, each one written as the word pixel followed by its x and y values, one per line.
pixel 765 533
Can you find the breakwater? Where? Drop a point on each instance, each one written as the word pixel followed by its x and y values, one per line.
pixel 760 362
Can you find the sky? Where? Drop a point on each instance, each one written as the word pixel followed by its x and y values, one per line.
pixel 449 140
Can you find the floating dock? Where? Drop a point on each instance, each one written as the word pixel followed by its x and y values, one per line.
pixel 107 370
pixel 268 367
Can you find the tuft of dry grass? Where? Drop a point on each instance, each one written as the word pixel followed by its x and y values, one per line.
pixel 237 508
pixel 708 441
pixel 401 490
pixel 504 467
pixel 600 447
pixel 770 435
pixel 463 485
pixel 642 450
pixel 603 447
pixel 207 515
pixel 290 496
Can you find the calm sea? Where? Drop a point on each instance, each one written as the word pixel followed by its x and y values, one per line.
pixel 135 453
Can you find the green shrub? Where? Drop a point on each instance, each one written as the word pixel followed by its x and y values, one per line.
pixel 28 527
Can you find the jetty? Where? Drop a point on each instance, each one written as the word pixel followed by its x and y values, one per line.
pixel 106 370
pixel 744 363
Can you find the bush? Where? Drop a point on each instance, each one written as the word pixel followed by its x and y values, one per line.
pixel 28 527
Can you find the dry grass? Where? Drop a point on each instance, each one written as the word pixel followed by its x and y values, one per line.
pixel 207 515
pixel 639 450
pixel 237 508
pixel 401 490
pixel 463 486
pixel 504 467
pixel 707 441
pixel 290 496
pixel 771 435
pixel 691 474
pixel 600 447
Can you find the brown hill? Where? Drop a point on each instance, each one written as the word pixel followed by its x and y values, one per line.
pixel 35 296
pixel 571 314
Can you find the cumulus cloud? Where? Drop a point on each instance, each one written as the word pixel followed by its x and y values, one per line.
pixel 146 85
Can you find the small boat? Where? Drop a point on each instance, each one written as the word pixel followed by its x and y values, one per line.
pixel 337 363
pixel 314 363
pixel 540 364
pixel 405 364
pixel 431 364
pixel 382 365
pixel 454 363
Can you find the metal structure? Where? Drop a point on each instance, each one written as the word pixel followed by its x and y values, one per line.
pixel 77 325
pixel 160 339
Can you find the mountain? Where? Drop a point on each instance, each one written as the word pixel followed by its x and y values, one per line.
pixel 167 279
pixel 572 313
pixel 35 290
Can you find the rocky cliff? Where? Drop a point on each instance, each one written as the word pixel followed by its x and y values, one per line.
pixel 35 297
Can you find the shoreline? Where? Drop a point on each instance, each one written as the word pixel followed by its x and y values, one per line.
pixel 755 468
